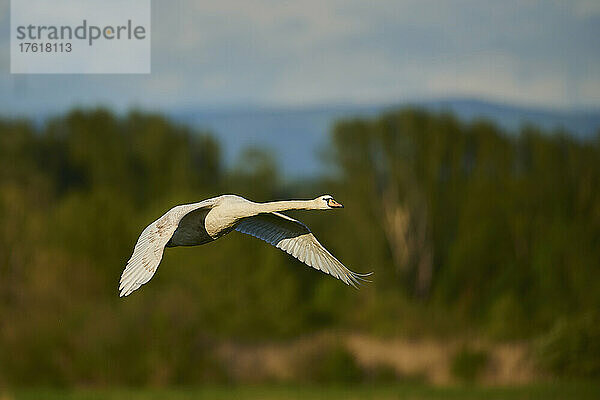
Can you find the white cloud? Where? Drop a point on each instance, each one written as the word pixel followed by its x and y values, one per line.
pixel 586 8
pixel 501 76
pixel 4 8
pixel 589 89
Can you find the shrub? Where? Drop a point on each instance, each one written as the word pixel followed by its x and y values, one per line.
pixel 468 364
pixel 572 347
pixel 333 365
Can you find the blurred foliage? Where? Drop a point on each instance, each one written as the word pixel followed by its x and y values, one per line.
pixel 333 364
pixel 464 226
pixel 468 364
pixel 413 391
pixel 572 347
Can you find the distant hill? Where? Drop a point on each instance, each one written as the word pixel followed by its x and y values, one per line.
pixel 298 135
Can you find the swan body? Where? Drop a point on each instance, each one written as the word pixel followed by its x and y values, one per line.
pixel 203 222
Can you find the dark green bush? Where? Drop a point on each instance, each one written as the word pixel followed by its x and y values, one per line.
pixel 333 365
pixel 468 364
pixel 572 347
pixel 383 374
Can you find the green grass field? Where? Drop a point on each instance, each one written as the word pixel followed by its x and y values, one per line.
pixel 587 390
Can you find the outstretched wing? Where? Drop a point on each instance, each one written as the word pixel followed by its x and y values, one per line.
pixel 150 246
pixel 293 237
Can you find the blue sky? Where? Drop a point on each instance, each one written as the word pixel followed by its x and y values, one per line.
pixel 289 53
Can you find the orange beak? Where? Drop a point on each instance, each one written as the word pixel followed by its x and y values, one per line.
pixel 334 204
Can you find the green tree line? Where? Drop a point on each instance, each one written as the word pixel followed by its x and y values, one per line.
pixel 467 229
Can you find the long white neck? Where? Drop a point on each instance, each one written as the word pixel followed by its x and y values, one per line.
pixel 276 206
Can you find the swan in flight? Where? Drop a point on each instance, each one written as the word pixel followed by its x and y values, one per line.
pixel 208 220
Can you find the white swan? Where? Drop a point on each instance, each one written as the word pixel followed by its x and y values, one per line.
pixel 208 220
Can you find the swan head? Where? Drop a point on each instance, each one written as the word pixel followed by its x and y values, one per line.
pixel 326 202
